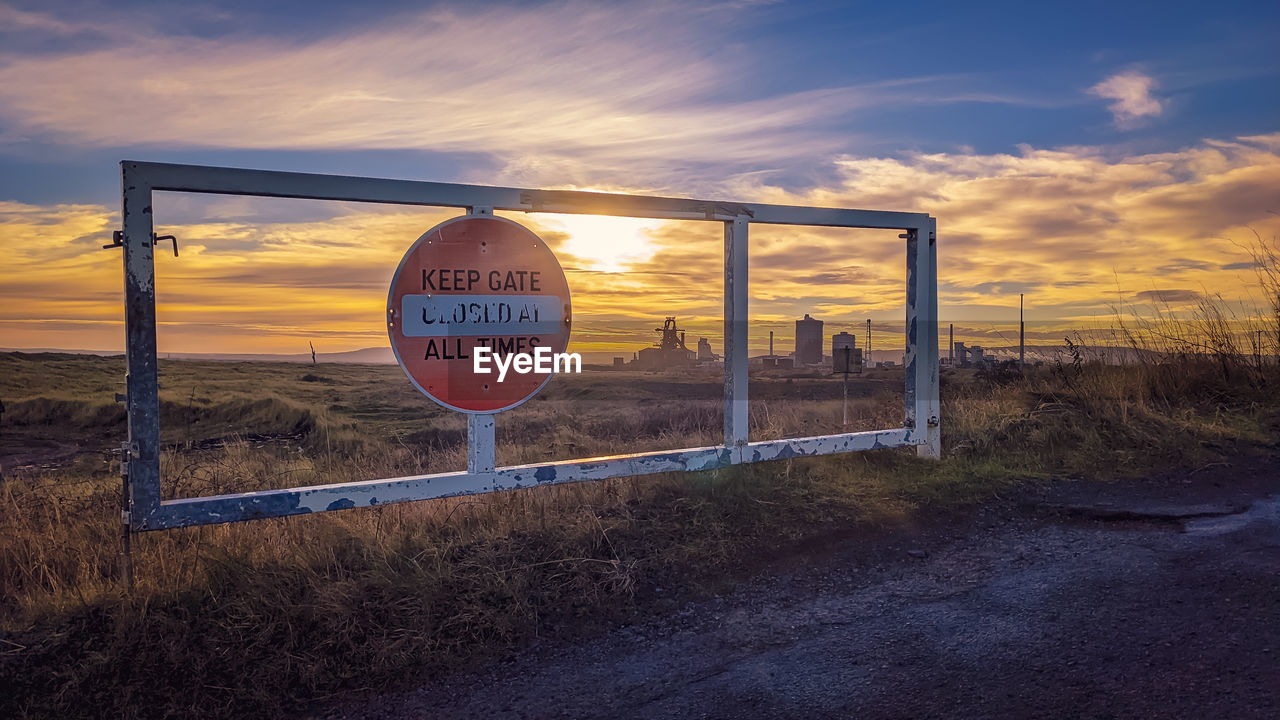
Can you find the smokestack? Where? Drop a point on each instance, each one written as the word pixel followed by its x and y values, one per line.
pixel 869 342
pixel 770 343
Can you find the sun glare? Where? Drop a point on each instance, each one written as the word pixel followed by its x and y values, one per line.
pixel 608 243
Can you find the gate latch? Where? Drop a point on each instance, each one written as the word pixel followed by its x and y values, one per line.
pixel 117 240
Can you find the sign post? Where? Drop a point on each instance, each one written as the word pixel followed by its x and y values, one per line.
pixel 477 284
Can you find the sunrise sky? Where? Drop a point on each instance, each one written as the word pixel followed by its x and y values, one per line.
pixel 1097 156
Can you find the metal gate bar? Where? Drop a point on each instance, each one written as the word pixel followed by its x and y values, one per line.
pixel 140 466
pixel 372 493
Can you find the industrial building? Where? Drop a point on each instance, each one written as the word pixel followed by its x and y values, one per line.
pixel 770 362
pixel 808 341
pixel 846 356
pixel 970 356
pixel 669 351
pixel 704 351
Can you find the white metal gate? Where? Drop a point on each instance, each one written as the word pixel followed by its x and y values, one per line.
pixel 141 459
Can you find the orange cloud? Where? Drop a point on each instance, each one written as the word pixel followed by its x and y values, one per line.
pixel 1078 230
pixel 1073 227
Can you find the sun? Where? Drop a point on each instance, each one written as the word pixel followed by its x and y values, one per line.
pixel 608 243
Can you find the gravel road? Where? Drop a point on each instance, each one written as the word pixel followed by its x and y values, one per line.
pixel 1158 599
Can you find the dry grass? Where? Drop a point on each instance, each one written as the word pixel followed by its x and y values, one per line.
pixel 257 618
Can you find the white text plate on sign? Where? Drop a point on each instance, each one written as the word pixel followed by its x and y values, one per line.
pixel 480 315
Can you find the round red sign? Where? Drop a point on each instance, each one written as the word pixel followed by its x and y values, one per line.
pixel 478 282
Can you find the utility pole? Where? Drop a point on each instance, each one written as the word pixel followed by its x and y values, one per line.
pixel 842 359
pixel 1022 337
pixel 844 414
pixel 951 343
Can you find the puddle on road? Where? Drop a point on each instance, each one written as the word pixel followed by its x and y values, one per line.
pixel 1266 510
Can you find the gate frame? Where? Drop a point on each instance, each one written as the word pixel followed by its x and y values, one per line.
pixel 140 461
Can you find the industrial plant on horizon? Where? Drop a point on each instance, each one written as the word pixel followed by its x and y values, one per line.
pixel 671 352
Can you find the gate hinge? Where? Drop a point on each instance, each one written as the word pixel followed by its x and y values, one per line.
pixel 117 240
pixel 933 422
pixel 127 452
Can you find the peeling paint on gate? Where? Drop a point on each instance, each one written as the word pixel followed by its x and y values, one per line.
pixel 141 467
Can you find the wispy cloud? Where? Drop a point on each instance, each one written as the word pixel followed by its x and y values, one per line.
pixel 1166 297
pixel 15 19
pixel 1131 91
pixel 567 93
pixel 571 80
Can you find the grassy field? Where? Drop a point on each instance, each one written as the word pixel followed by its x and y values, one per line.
pixel 373 408
pixel 257 618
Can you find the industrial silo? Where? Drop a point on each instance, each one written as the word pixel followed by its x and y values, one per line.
pixel 808 341
pixel 845 355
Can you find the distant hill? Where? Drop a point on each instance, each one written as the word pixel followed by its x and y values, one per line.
pixel 1049 353
pixel 62 351
pixel 366 356
pixel 384 356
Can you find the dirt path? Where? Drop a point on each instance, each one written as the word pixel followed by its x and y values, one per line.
pixel 1152 600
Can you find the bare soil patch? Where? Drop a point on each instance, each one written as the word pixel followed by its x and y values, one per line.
pixel 1028 608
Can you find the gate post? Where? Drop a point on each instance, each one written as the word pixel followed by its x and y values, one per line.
pixel 142 452
pixel 735 332
pixel 921 360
